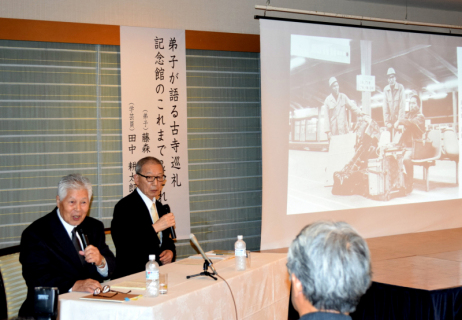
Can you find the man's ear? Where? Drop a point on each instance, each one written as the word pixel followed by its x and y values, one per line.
pixel 57 201
pixel 296 285
pixel 299 301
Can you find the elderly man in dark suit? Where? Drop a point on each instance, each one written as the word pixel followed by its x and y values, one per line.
pixel 51 250
pixel 141 224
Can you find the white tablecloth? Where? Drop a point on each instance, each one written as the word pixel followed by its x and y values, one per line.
pixel 261 292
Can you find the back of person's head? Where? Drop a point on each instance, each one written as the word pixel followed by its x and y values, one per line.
pixel 332 262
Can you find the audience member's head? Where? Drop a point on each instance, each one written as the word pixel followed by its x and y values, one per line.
pixel 329 266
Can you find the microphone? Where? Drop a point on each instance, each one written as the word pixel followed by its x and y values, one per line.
pixel 85 241
pixel 83 236
pixel 194 240
pixel 172 229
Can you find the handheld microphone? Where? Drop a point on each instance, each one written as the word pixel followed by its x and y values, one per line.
pixel 194 240
pixel 83 236
pixel 172 229
pixel 85 241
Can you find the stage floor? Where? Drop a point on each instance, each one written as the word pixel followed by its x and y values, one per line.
pixel 426 260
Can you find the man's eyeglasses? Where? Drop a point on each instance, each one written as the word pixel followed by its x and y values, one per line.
pixel 152 178
pixel 106 290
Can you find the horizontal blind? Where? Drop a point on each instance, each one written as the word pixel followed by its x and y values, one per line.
pixel 60 113
pixel 224 149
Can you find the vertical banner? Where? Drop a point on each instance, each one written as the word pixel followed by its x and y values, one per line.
pixel 154 118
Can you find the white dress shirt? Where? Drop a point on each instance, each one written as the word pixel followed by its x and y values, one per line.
pixel 102 271
pixel 149 204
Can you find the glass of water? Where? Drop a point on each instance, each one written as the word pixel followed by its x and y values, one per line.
pixel 163 283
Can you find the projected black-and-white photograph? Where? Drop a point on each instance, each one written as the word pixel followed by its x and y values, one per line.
pixel 373 119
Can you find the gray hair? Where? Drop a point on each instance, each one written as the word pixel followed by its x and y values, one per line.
pixel 73 181
pixel 332 261
pixel 142 162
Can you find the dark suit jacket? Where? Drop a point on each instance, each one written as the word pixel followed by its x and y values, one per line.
pixel 134 237
pixel 49 258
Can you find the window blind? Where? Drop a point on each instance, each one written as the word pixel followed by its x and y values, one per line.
pixel 60 113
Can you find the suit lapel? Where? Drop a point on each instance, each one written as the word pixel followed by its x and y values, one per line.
pixel 144 214
pixel 62 242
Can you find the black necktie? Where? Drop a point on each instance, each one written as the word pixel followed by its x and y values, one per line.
pixel 77 246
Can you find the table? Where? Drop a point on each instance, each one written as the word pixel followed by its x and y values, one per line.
pixel 261 292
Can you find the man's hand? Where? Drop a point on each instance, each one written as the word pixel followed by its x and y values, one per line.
pixel 166 256
pixel 166 221
pixel 92 255
pixel 389 125
pixel 88 285
pixel 396 124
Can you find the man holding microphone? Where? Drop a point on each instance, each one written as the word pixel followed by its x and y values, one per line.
pixel 141 225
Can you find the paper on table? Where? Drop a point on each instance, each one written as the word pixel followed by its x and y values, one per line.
pixel 213 258
pixel 134 285
pixel 119 297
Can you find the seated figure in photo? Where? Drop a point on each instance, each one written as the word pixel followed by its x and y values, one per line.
pixel 414 128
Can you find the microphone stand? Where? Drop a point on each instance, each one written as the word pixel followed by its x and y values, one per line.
pixel 203 273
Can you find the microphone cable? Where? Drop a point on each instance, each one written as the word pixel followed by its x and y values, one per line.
pixel 234 301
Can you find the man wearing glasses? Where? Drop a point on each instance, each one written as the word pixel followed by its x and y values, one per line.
pixel 140 224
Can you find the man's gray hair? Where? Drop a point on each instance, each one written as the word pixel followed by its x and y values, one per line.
pixel 142 162
pixel 74 181
pixel 332 261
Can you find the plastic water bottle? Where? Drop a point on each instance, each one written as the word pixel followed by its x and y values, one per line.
pixel 152 277
pixel 240 254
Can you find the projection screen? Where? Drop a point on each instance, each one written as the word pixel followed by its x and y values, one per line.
pixel 359 125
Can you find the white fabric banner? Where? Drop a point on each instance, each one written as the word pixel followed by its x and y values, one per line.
pixel 154 118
